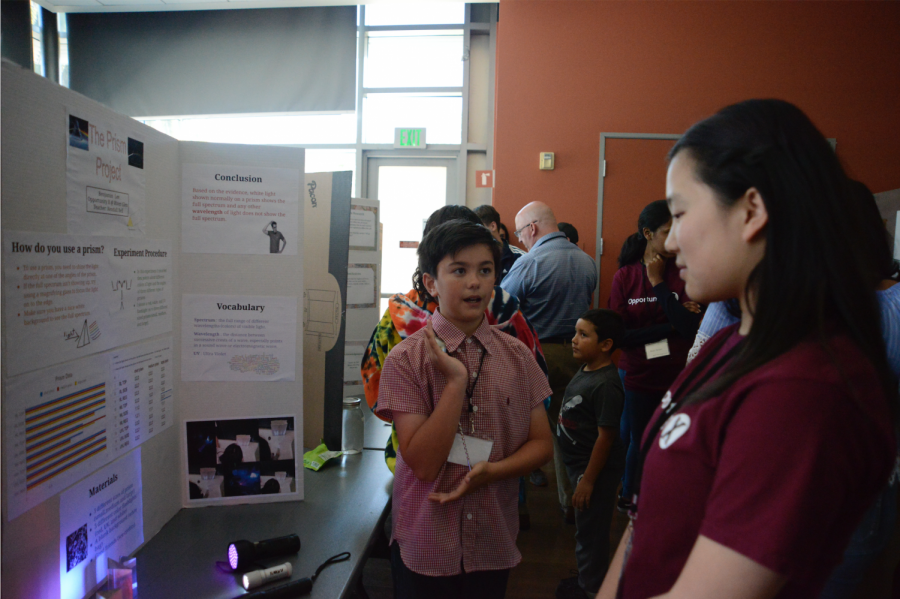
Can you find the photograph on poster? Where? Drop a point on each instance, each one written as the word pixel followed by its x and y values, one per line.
pixel 105 179
pixel 224 208
pixel 69 296
pixel 100 518
pixel 242 458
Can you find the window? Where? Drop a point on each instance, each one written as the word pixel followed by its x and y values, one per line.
pixel 410 13
pixel 37 35
pixel 262 129
pixel 63 49
pixel 414 59
pixel 440 114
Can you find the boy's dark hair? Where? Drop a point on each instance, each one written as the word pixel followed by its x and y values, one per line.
pixel 448 213
pixel 569 231
pixel 488 214
pixel 439 216
pixel 448 239
pixel 607 324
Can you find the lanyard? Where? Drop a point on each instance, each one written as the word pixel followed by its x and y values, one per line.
pixel 691 384
pixel 470 392
pixel 472 408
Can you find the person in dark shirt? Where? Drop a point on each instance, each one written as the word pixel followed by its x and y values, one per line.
pixel 490 218
pixel 569 231
pixel 276 239
pixel 593 453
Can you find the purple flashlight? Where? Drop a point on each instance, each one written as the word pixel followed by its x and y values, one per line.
pixel 243 554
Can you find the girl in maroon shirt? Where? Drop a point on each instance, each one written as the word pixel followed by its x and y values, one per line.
pixel 661 322
pixel 770 446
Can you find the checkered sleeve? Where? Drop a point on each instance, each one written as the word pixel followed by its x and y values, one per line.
pixel 403 387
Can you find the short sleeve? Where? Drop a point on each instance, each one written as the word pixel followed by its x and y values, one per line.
pixel 402 389
pixel 795 456
pixel 609 400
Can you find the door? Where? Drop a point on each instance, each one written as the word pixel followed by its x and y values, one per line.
pixel 409 190
pixel 635 176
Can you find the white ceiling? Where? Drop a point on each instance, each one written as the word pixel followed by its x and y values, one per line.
pixel 163 5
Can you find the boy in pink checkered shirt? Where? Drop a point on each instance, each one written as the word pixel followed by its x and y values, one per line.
pixel 467 402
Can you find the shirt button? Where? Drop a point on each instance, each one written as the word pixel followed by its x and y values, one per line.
pixel 469 516
pixel 469 340
pixel 474 375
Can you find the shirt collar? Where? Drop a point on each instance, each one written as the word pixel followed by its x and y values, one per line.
pixel 453 337
pixel 547 238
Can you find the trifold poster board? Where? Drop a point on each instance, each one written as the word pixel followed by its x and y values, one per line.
pixel 363 279
pixel 96 404
pixel 326 227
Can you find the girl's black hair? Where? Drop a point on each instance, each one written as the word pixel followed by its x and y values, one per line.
pixel 815 275
pixel 448 239
pixel 608 324
pixel 879 239
pixel 443 215
pixel 653 216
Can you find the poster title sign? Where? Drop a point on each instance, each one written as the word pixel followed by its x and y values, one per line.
pixel 71 296
pixel 105 179
pixel 238 338
pixel 239 210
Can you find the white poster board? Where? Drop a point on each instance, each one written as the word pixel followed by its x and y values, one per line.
pixel 105 176
pixel 228 209
pixel 238 338
pixel 364 304
pixel 63 422
pixel 67 297
pixel 101 517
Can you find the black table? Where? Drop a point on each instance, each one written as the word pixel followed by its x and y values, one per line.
pixel 343 509
pixel 377 434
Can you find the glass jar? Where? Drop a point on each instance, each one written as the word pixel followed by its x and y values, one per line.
pixel 353 426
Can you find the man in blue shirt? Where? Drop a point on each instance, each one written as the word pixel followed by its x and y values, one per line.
pixel 554 282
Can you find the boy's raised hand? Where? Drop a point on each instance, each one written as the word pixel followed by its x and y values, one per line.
pixel 450 367
pixel 476 478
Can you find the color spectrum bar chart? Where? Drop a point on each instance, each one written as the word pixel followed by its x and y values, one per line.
pixel 62 433
pixel 64 422
pixel 57 423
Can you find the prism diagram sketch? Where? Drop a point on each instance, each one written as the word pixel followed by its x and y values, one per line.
pixel 121 287
pixel 87 334
pixel 320 314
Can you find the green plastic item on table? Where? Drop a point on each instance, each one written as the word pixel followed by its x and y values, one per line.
pixel 316 458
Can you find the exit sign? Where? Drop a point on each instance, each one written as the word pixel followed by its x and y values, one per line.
pixel 409 138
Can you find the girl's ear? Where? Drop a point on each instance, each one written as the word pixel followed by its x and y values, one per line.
pixel 647 233
pixel 755 215
pixel 429 283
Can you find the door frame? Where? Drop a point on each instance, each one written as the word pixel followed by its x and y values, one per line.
pixel 414 158
pixel 448 159
pixel 598 245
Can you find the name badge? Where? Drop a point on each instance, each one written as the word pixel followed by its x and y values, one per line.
pixel 479 450
pixel 657 350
